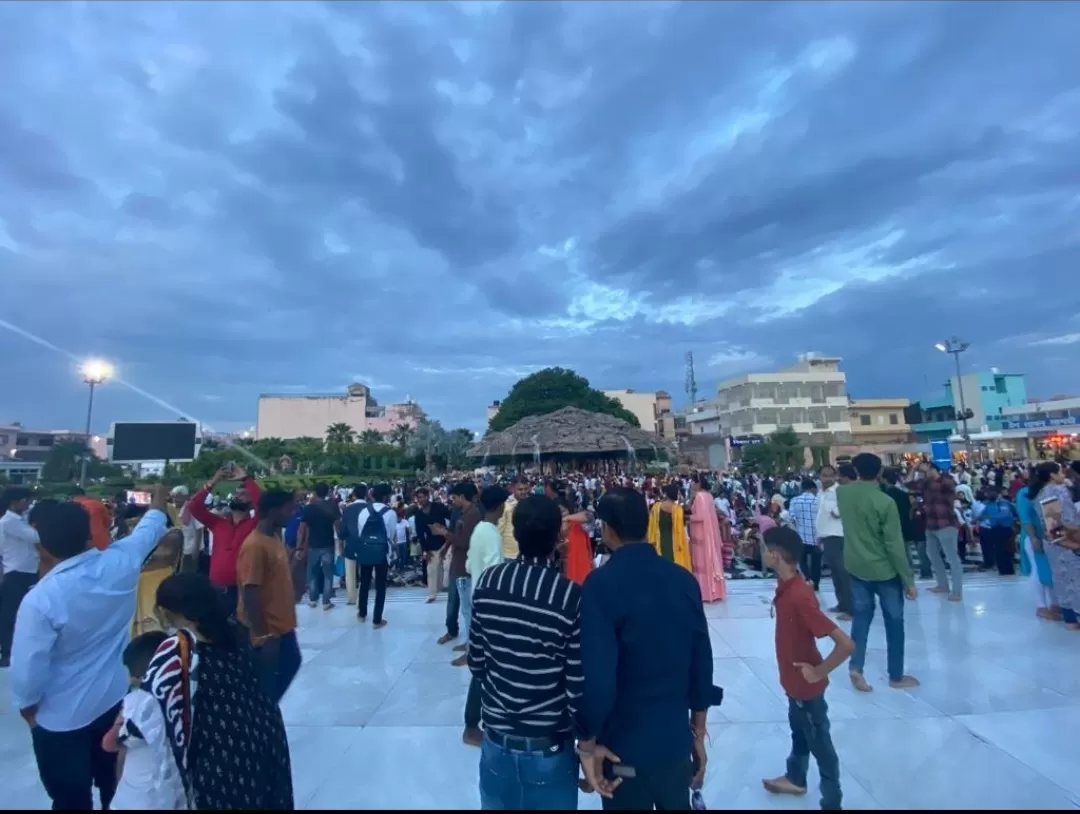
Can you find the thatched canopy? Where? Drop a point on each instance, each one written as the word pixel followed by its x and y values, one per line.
pixel 570 432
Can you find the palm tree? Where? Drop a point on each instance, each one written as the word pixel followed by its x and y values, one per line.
pixel 401 435
pixel 340 435
pixel 65 460
pixel 370 438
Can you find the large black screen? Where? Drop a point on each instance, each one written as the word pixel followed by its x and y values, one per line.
pixel 158 441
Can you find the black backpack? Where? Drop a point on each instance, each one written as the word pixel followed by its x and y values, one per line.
pixel 372 547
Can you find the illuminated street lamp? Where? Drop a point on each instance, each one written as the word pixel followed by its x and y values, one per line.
pixel 94 372
pixel 955 347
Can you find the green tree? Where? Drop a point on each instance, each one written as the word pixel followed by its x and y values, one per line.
pixel 65 460
pixel 340 435
pixel 400 436
pixel 787 449
pixel 552 389
pixel 370 437
pixel 758 458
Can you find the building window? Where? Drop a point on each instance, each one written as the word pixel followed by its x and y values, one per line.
pixel 45 441
pixel 864 420
pixel 3 439
pixel 894 419
pixel 22 441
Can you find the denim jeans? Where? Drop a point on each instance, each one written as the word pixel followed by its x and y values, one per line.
pixel 320 574
pixel 280 672
pixel 944 541
pixel 810 735
pixel 527 780
pixel 890 592
pixel 464 589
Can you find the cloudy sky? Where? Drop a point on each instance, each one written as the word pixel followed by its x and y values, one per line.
pixel 438 198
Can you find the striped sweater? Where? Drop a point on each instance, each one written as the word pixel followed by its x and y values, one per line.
pixel 525 650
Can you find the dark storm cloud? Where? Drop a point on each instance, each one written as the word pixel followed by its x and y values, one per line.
pixel 441 197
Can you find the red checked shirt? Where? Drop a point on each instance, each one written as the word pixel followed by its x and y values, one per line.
pixel 938 496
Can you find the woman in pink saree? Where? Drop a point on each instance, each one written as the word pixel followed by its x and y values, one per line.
pixel 706 553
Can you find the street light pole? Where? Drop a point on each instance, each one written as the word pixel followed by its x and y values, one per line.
pixel 94 372
pixel 955 347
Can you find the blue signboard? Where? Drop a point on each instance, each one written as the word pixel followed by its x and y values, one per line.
pixel 940 455
pixel 746 440
pixel 1041 424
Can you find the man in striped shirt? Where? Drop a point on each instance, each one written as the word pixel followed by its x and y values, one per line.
pixel 803 511
pixel 524 652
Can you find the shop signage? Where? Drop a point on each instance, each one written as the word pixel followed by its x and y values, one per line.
pixel 1042 424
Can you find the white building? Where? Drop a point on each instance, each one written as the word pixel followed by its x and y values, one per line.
pixel 810 397
pixel 298 416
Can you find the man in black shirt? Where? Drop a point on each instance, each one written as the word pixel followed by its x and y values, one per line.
pixel 648 667
pixel 426 515
pixel 904 506
pixel 525 655
pixel 317 537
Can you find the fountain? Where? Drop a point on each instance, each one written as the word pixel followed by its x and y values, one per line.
pixel 631 455
pixel 487 452
pixel 513 455
pixel 536 450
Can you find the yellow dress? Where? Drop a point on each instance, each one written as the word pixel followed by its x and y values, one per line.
pixel 161 564
pixel 680 543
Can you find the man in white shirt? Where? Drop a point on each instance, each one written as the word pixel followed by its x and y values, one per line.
pixel 191 528
pixel 830 533
pixel 67 674
pixel 372 565
pixel 18 553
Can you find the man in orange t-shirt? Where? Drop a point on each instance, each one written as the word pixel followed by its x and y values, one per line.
pixel 100 519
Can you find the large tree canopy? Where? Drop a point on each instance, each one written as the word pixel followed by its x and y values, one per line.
pixel 552 389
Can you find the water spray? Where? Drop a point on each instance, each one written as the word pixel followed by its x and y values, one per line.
pixel 45 343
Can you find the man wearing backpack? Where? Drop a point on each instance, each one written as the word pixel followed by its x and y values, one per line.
pixel 996 533
pixel 371 550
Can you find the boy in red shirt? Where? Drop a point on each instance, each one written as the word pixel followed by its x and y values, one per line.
pixel 803 672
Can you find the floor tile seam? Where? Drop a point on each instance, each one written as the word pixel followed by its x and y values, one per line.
pixel 1073 797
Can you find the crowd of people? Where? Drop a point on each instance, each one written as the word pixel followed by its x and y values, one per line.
pixel 149 647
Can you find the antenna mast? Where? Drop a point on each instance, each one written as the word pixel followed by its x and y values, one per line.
pixel 691 380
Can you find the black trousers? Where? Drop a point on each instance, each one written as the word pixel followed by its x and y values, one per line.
pixel 666 788
pixel 834 556
pixel 473 705
pixel 997 549
pixel 367 572
pixel 811 565
pixel 71 763
pixel 14 585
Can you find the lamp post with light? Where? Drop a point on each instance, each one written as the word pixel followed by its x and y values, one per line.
pixel 957 346
pixel 94 372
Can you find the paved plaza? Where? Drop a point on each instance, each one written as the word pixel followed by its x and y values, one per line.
pixel 375 717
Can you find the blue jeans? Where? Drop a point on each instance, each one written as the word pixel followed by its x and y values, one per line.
pixel 280 665
pixel 810 735
pixel 464 589
pixel 527 780
pixel 321 574
pixel 890 593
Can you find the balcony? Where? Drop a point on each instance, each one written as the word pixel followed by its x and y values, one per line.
pixel 934 428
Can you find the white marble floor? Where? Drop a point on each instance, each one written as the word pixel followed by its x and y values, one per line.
pixel 375 717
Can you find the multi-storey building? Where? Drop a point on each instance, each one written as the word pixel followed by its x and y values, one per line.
pixel 987 395
pixel 878 421
pixel 19 443
pixel 1042 429
pixel 810 397
pixel 308 415
pixel 652 408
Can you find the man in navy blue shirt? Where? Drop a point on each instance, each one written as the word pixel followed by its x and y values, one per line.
pixel 647 663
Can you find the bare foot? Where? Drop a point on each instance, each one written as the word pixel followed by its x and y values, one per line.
pixel 858 681
pixel 1072 625
pixel 461 661
pixel 446 637
pixel 938 590
pixel 781 785
pixel 955 598
pixel 905 683
pixel 1046 613
pixel 460 648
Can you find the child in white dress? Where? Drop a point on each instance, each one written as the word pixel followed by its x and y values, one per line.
pixel 148 776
